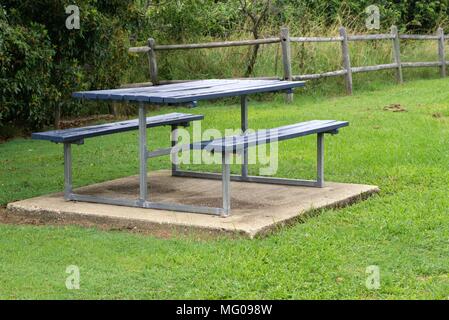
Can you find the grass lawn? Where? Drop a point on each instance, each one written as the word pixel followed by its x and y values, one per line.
pixel 404 230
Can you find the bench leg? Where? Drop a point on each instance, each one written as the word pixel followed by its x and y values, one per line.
pixel 67 170
pixel 320 160
pixel 143 177
pixel 174 156
pixel 244 126
pixel 226 184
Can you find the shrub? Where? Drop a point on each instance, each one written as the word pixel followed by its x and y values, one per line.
pixel 26 57
pixel 43 62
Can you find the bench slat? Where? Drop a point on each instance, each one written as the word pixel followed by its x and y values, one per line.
pixel 77 134
pixel 237 143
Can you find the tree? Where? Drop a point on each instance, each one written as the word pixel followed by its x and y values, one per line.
pixel 257 11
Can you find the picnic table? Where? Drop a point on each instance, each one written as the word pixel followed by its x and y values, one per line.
pixel 188 92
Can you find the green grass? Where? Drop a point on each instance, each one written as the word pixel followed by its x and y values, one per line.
pixel 404 230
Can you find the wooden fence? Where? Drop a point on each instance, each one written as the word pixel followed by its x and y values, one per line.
pixel 285 40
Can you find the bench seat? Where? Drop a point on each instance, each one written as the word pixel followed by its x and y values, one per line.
pixel 240 142
pixel 78 134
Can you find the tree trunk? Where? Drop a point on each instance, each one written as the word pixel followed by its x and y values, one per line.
pixel 252 61
pixel 57 115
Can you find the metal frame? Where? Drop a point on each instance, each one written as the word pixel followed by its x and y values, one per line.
pixel 318 183
pixel 226 177
pixel 144 198
pixel 244 126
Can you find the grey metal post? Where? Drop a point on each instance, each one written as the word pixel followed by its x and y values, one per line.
pixel 67 170
pixel 244 126
pixel 153 62
pixel 287 59
pixel 226 183
pixel 174 155
pixel 143 178
pixel 346 60
pixel 441 52
pixel 320 160
pixel 397 53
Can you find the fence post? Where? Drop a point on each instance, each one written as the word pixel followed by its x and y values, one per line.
pixel 57 114
pixel 441 52
pixel 397 54
pixel 286 59
pixel 346 60
pixel 152 61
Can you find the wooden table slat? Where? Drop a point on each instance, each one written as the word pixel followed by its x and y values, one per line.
pixel 75 134
pixel 277 134
pixel 190 91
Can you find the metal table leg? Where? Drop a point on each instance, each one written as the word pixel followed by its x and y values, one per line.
pixel 320 160
pixel 226 183
pixel 143 175
pixel 244 126
pixel 67 171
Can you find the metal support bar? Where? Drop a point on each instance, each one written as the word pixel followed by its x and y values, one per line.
pixel 159 153
pixel 320 160
pixel 67 170
pixel 143 176
pixel 244 126
pixel 226 183
pixel 148 204
pixel 250 179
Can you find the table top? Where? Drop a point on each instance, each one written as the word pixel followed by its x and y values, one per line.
pixel 190 91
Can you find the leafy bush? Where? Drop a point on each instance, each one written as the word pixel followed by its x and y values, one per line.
pixel 43 62
pixel 26 58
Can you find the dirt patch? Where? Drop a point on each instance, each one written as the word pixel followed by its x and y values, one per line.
pixel 9 131
pixel 218 202
pixel 396 107
pixel 18 219
pixel 80 122
pixel 433 277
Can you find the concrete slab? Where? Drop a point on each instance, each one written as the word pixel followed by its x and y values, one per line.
pixel 257 209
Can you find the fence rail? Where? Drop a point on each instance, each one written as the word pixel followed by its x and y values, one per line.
pixel 285 40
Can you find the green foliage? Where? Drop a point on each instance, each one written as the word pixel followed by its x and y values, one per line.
pixel 190 19
pixel 26 57
pixel 410 15
pixel 50 61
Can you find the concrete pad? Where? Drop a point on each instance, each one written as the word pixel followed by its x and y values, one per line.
pixel 257 209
